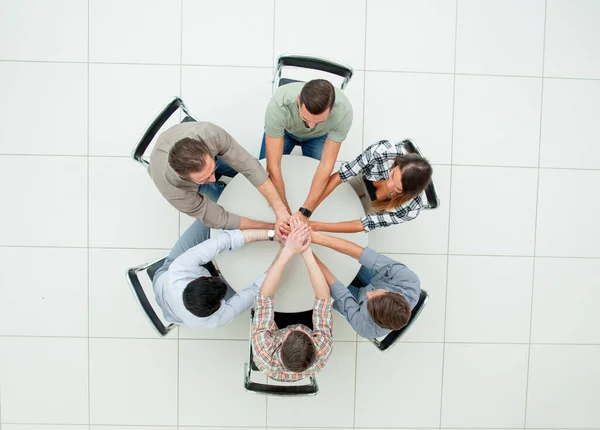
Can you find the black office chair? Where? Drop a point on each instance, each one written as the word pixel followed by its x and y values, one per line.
pixel 142 299
pixel 274 388
pixel 393 337
pixel 140 148
pixel 306 62
pixel 429 195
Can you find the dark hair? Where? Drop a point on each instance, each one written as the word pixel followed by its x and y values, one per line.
pixel 298 351
pixel 389 310
pixel 317 96
pixel 416 176
pixel 188 156
pixel 202 296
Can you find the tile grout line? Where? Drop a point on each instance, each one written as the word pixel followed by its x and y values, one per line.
pixel 449 211
pixel 537 200
pixel 89 386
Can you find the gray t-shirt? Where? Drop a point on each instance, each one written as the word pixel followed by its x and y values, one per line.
pixel 282 115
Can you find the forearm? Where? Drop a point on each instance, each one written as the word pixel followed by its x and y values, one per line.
pixel 247 223
pixel 329 277
pixel 255 235
pixel 319 183
pixel 332 183
pixel 317 279
pixel 271 194
pixel 274 274
pixel 338 227
pixel 340 245
pixel 277 181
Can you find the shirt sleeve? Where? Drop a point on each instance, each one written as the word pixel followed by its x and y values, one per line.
pixel 385 219
pixel 240 159
pixel 322 330
pixel 263 326
pixel 275 120
pixel 356 166
pixel 340 131
pixel 239 303
pixel 358 318
pixel 206 251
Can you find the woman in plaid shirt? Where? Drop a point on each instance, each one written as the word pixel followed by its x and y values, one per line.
pixel 294 352
pixel 389 183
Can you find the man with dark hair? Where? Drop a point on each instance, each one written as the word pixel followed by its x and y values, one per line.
pixel 296 351
pixel 381 296
pixel 188 160
pixel 317 117
pixel 185 290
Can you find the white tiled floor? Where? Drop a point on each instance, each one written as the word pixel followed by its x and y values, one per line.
pixel 501 95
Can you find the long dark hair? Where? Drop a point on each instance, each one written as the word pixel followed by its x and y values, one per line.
pixel 416 175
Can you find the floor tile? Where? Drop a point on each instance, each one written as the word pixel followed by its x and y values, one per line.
pixel 238 329
pixel 570 127
pixel 49 427
pixel 133 381
pixel 428 233
pixel 575 320
pixel 39 304
pixel 37 30
pixel 382 376
pixel 132 428
pixel 126 209
pixel 484 46
pixel 488 216
pixel 405 105
pixel 558 233
pixel 484 386
pixel 497 121
pixel 48 207
pixel 60 109
pixel 489 299
pixel 335 401
pixel 572 39
pixel 251 44
pixel 564 387
pixel 135 31
pixel 430 27
pixel 109 289
pixel 124 99
pixel 298 30
pixel 431 270
pixel 210 92
pixel 216 364
pixel 353 145
pixel 44 380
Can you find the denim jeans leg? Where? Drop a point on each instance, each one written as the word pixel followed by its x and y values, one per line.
pixel 288 145
pixel 224 169
pixel 313 148
pixel 212 190
pixel 194 235
pixel 354 291
pixel 365 275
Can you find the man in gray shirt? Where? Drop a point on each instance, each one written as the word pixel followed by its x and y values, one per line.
pixel 388 293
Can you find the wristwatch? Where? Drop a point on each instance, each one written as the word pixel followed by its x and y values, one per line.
pixel 306 212
pixel 271 235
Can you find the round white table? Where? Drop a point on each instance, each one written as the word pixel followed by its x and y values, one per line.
pixel 294 293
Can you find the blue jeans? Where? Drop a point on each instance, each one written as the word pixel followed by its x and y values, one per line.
pixel 311 147
pixel 364 277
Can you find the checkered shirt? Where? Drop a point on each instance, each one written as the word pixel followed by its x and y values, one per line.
pixel 374 164
pixel 267 339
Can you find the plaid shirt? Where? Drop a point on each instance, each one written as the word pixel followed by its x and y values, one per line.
pixel 374 164
pixel 267 339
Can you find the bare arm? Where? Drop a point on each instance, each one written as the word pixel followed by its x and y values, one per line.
pixel 274 148
pixel 340 245
pixel 338 227
pixel 329 277
pixel 269 285
pixel 332 184
pixel 320 180
pixel 247 223
pixel 317 279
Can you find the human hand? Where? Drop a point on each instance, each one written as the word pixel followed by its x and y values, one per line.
pixel 299 240
pixel 282 228
pixel 300 216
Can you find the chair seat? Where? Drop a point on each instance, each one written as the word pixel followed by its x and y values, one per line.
pixel 285 81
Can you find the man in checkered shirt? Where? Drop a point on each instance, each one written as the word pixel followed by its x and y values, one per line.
pixel 295 352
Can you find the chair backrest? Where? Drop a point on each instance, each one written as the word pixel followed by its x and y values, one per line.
pixel 393 337
pixel 140 295
pixel 274 388
pixel 140 148
pixel 135 283
pixel 307 62
pixel 431 197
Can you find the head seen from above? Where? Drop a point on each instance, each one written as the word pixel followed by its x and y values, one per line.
pixel 315 102
pixel 409 176
pixel 191 160
pixel 388 309
pixel 203 296
pixel 298 351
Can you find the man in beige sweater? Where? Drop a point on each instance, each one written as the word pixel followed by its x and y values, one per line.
pixel 185 164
